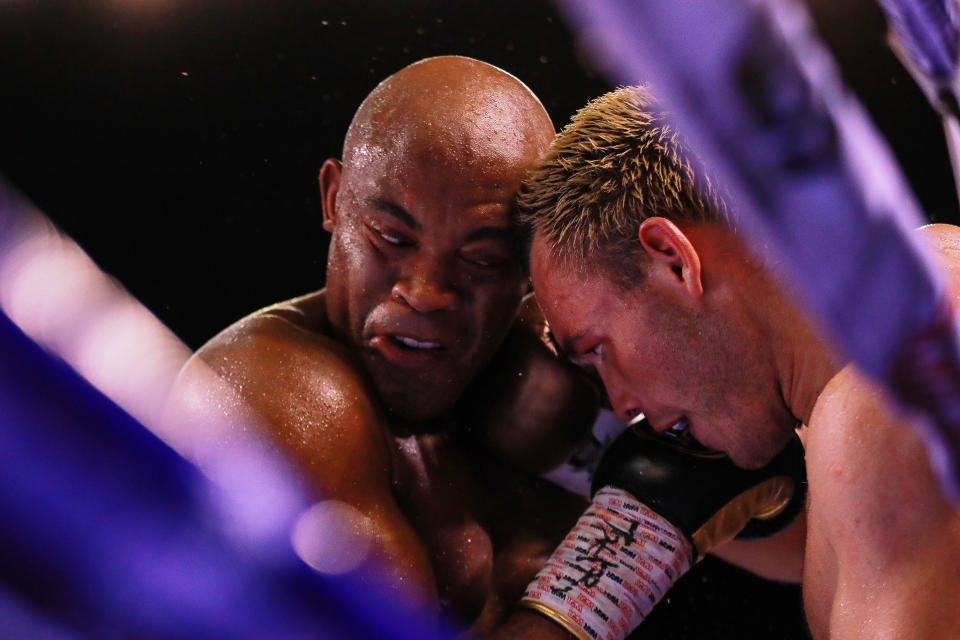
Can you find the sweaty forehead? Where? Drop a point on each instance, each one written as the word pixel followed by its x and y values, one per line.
pixel 450 110
pixel 553 283
pixel 574 298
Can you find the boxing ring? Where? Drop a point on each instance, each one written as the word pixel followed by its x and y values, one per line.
pixel 117 520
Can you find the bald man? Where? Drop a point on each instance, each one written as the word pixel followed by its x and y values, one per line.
pixel 402 388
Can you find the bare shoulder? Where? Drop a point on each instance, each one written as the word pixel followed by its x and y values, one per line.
pixel 944 239
pixel 279 370
pixel 876 514
pixel 870 458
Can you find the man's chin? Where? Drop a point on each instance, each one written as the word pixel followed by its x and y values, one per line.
pixel 758 456
pixel 751 461
pixel 413 405
pixel 410 395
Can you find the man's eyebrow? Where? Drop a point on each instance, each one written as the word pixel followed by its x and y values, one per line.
pixel 394 210
pixel 565 346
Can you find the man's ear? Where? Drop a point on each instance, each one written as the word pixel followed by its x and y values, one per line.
pixel 672 256
pixel 329 180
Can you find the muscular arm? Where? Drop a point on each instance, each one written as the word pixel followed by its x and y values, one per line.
pixel 305 394
pixel 779 557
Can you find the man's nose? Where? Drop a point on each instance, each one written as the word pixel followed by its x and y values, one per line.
pixel 427 286
pixel 625 404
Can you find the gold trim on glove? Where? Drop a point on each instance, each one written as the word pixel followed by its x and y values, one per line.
pixel 556 616
pixel 763 501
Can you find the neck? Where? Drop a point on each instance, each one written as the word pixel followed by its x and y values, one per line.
pixel 402 427
pixel 804 361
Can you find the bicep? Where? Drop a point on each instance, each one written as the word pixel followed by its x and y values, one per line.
pixel 779 557
pixel 527 407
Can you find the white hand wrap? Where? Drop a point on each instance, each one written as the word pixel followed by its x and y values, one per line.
pixel 612 568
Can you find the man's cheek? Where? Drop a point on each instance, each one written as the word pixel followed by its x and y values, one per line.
pixel 496 322
pixel 369 267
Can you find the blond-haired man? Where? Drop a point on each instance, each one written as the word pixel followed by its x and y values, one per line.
pixel 642 276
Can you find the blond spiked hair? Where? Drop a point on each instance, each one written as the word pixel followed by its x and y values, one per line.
pixel 616 164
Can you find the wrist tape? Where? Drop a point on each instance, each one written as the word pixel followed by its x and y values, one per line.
pixel 612 568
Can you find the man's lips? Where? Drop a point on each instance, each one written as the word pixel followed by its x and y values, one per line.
pixel 415 343
pixel 680 431
pixel 678 428
pixel 660 424
pixel 407 350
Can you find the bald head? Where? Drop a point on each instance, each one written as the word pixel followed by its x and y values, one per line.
pixel 425 245
pixel 456 106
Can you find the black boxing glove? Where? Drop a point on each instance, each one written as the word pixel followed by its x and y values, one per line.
pixel 700 491
pixel 659 505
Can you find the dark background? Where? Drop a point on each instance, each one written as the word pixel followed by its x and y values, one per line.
pixel 178 142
